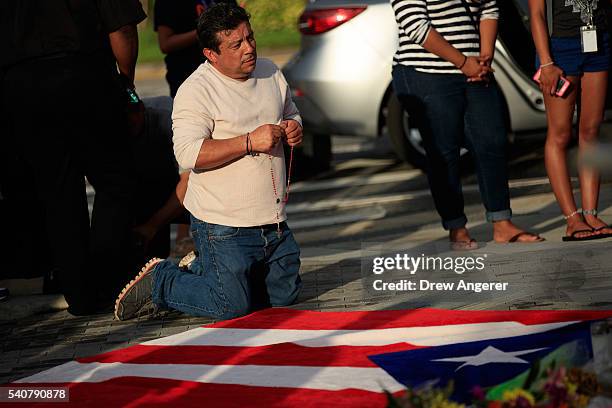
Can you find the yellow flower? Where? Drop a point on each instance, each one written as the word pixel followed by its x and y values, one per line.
pixel 571 388
pixel 440 401
pixel 513 395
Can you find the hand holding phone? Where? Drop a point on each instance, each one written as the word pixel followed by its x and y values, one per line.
pixel 562 84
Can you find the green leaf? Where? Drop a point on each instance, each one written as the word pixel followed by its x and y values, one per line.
pixel 533 374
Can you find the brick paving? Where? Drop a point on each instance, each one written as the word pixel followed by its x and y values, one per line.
pixel 39 342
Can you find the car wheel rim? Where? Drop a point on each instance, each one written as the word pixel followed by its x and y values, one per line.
pixel 413 135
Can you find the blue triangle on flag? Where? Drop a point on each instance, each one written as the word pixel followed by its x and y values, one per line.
pixel 482 363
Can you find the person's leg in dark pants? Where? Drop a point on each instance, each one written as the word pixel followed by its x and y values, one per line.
pixel 106 151
pixel 437 104
pixel 43 104
pixel 217 283
pixel 282 267
pixel 109 170
pixel 486 138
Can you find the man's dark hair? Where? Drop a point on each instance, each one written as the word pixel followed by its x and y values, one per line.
pixel 219 18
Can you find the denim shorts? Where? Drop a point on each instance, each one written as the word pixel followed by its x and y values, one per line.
pixel 567 54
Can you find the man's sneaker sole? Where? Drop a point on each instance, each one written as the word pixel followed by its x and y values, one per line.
pixel 187 260
pixel 143 272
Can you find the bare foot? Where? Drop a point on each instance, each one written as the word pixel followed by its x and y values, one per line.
pixel 577 224
pixel 506 232
pixel 597 224
pixel 460 239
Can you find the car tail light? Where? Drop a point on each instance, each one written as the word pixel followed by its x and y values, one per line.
pixel 313 22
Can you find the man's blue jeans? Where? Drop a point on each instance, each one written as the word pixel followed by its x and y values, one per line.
pixel 237 270
pixel 451 112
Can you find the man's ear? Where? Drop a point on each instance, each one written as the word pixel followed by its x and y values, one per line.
pixel 210 55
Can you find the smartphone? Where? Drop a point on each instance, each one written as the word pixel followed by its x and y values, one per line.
pixel 562 85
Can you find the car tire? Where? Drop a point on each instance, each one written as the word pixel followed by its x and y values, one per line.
pixel 322 151
pixel 405 138
pixel 312 157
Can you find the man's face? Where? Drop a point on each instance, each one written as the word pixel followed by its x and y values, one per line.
pixel 237 52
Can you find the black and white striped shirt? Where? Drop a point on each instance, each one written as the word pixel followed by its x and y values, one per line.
pixel 415 18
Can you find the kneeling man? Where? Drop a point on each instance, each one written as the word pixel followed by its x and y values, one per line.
pixel 230 119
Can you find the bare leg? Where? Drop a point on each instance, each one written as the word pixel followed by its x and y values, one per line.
pixel 505 230
pixel 459 235
pixel 594 86
pixel 461 239
pixel 559 114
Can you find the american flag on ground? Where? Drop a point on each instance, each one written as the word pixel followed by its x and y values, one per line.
pixel 284 357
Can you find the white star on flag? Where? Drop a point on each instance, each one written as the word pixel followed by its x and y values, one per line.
pixel 490 355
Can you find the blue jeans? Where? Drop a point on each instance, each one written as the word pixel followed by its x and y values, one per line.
pixel 237 270
pixel 451 112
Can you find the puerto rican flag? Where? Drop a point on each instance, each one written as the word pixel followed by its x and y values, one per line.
pixel 284 358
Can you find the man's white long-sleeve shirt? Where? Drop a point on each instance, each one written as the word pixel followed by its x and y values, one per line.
pixel 209 105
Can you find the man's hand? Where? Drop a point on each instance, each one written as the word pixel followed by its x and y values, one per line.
pixel 265 137
pixel 293 132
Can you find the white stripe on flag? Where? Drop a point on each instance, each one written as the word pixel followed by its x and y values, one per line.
pixel 319 378
pixel 429 336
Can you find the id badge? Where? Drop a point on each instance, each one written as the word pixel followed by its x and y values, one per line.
pixel 588 35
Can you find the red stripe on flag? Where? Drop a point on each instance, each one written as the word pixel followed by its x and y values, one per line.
pixel 283 318
pixel 146 392
pixel 284 354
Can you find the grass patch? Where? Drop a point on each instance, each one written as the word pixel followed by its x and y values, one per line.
pixel 274 22
pixel 148 48
pixel 278 39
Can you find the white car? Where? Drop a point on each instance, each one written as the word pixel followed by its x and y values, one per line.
pixel 341 76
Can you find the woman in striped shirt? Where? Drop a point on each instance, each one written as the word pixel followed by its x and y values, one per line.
pixel 442 75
